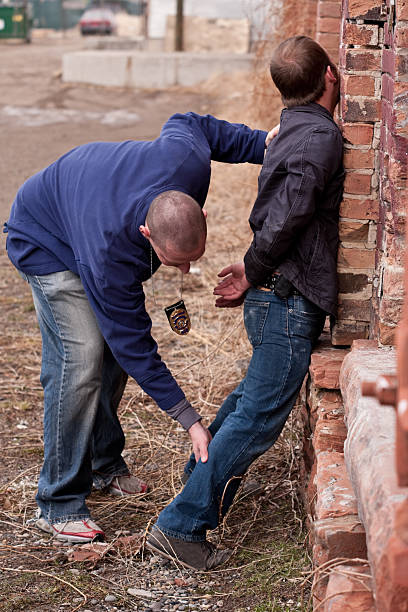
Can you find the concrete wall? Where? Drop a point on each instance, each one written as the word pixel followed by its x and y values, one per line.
pixel 148 70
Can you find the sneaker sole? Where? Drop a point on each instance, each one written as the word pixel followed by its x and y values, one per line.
pixel 42 524
pixel 167 555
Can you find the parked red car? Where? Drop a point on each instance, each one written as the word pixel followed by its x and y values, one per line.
pixel 98 21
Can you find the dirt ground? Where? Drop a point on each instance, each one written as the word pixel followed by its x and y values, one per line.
pixel 40 119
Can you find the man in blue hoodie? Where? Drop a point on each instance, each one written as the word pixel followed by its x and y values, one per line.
pixel 86 232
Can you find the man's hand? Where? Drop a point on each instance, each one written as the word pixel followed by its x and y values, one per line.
pixel 271 135
pixel 200 437
pixel 232 289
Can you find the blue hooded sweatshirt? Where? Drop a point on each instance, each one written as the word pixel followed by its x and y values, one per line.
pixel 82 213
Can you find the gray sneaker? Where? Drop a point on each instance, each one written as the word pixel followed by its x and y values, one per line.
pixel 202 556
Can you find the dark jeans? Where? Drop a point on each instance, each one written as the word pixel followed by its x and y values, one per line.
pixel 282 333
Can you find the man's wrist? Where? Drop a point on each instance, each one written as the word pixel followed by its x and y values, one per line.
pixel 184 413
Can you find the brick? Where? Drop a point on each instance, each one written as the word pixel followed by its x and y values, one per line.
pixel 387 88
pixel 402 10
pixel 356 258
pixel 329 9
pixel 388 115
pixel 387 334
pixel 362 109
pixel 328 24
pixel 344 333
pixel 350 283
pixel 353 231
pixel 357 183
pixel 398 173
pixel 325 368
pixel 399 148
pixel 329 435
pixel 324 405
pixel 356 208
pixel 358 133
pixel 355 34
pixel 395 249
pixel 359 310
pixel 348 593
pixel 365 9
pixel 391 310
pixel 388 35
pixel 401 35
pixel 341 537
pixel 311 491
pixel 393 283
pixel 363 60
pixel 329 41
pixel 398 198
pixel 358 159
pixel 355 85
pixel 335 496
pixel 402 67
pixel 388 61
pixel 320 580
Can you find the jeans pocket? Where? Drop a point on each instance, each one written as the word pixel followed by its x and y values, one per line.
pixel 255 314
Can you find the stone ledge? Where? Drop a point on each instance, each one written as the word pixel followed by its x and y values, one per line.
pixel 370 460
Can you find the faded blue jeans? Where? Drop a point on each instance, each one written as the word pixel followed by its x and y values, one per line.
pixel 83 385
pixel 282 333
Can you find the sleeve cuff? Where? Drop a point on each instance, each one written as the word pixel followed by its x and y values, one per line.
pixel 255 271
pixel 184 413
pixel 260 149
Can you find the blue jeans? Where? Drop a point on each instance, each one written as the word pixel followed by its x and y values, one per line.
pixel 83 385
pixel 282 333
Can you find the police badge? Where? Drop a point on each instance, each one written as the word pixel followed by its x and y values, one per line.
pixel 178 318
pixel 177 314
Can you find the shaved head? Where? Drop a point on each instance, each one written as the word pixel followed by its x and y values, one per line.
pixel 176 223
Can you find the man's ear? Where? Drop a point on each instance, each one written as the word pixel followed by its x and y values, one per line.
pixel 205 213
pixel 332 74
pixel 144 230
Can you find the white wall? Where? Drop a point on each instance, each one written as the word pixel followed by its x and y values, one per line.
pixel 254 10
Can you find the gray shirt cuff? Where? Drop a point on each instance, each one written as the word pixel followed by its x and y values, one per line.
pixel 184 413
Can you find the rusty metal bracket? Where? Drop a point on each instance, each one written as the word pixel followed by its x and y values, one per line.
pixel 389 391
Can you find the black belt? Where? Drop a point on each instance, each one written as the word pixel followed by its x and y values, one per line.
pixel 272 281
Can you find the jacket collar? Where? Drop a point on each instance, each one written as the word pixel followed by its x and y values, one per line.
pixel 312 107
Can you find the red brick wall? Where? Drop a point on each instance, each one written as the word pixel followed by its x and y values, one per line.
pixel 374 65
pixel 393 171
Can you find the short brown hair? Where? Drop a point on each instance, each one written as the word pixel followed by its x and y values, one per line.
pixel 176 221
pixel 298 69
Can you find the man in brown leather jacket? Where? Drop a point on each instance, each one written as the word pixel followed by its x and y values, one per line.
pixel 289 284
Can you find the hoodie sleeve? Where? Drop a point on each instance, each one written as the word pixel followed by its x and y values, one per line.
pixel 118 301
pixel 228 142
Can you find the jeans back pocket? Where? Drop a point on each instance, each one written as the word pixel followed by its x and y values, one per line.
pixel 255 314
